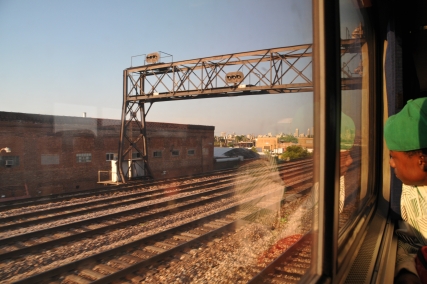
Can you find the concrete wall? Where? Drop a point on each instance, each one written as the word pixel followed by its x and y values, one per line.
pixel 56 154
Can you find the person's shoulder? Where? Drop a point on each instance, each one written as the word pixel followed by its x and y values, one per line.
pixel 408 189
pixel 423 188
pixel 409 192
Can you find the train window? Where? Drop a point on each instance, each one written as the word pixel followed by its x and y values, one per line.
pixel 356 98
pixel 243 207
pixel 343 81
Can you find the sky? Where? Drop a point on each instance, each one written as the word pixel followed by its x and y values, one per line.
pixel 68 57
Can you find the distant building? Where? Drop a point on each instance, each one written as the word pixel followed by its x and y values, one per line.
pixel 267 143
pixel 246 144
pixel 305 142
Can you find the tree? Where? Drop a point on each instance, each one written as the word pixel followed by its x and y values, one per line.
pixel 288 138
pixel 294 152
pixel 240 138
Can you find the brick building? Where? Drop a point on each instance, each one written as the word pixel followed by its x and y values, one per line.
pixel 56 154
pixel 267 143
pixel 305 142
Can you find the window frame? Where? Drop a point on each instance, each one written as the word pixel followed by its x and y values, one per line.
pixel 110 156
pixel 333 254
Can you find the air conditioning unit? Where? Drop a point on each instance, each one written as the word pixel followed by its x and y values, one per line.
pixel 9 162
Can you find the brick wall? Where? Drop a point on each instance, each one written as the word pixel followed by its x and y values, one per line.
pixel 191 144
pixel 56 154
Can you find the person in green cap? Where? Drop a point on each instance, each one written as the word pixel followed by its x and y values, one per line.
pixel 347 136
pixel 405 134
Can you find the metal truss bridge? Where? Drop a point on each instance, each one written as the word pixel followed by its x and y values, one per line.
pixel 268 71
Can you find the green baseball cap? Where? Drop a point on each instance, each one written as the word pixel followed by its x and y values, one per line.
pixel 407 130
pixel 348 132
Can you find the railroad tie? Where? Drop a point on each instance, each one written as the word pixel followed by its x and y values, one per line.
pixel 185 238
pixel 74 279
pixel 134 278
pixel 90 274
pixel 130 259
pixel 223 222
pixel 19 245
pixel 141 254
pixel 212 225
pixel 166 245
pixel 118 264
pixel 105 269
pixel 155 249
pixel 190 235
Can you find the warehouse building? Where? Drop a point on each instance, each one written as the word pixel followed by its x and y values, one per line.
pixel 57 154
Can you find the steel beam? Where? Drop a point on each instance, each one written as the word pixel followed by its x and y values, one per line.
pixel 268 71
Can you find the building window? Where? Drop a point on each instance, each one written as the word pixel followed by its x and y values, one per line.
pixel 175 152
pixel 111 156
pixel 157 154
pixel 84 158
pixel 190 152
pixel 136 155
pixel 9 161
pixel 48 159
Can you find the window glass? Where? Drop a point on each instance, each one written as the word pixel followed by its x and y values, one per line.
pixel 356 45
pixel 48 159
pixel 9 161
pixel 136 155
pixel 110 156
pixel 230 82
pixel 84 158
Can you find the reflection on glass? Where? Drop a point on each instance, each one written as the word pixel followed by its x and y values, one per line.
pixel 355 105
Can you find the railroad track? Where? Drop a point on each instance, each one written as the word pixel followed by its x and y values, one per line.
pixel 20 244
pixel 206 199
pixel 123 191
pixel 133 261
pixel 10 224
